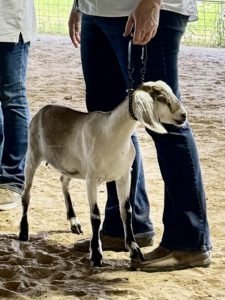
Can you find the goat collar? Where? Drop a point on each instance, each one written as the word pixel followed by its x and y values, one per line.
pixel 130 98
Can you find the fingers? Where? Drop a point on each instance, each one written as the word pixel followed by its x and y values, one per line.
pixel 138 36
pixel 74 28
pixel 142 37
pixel 145 20
pixel 77 34
pixel 129 26
pixel 74 36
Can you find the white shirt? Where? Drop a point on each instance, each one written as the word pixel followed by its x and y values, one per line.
pixel 120 8
pixel 17 16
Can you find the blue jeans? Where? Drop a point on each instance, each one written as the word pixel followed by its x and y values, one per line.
pixel 14 114
pixel 104 60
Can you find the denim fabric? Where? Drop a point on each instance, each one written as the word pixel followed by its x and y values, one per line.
pixel 184 217
pixel 14 115
pixel 104 59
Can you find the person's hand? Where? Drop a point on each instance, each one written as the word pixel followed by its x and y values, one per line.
pixel 144 20
pixel 74 27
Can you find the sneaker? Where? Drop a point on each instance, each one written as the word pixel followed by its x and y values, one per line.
pixel 163 259
pixel 111 243
pixel 9 199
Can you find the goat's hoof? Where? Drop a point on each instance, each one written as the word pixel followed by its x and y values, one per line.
pixel 23 237
pixel 96 263
pixel 137 254
pixel 140 255
pixel 135 264
pixel 76 229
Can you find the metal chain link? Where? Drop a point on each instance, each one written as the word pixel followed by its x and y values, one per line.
pixel 144 57
pixel 130 68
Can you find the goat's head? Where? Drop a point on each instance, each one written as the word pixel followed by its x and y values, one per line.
pixel 155 103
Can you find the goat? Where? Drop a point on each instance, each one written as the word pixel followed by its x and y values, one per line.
pixel 79 145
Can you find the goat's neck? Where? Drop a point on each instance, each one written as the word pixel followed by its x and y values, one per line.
pixel 121 122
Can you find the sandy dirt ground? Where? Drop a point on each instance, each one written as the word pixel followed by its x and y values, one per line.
pixel 47 267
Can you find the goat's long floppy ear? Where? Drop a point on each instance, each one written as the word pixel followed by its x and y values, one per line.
pixel 144 111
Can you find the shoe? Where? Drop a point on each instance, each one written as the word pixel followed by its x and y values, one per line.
pixel 9 199
pixel 163 259
pixel 111 243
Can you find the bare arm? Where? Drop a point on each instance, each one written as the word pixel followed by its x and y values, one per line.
pixel 74 27
pixel 144 20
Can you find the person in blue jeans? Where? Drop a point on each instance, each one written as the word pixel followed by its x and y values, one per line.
pixel 104 38
pixel 17 29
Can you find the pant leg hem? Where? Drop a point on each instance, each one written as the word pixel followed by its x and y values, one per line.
pixel 148 234
pixel 186 248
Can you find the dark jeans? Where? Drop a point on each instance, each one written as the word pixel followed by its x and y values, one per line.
pixel 104 59
pixel 14 115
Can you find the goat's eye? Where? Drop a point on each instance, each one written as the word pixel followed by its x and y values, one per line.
pixel 162 98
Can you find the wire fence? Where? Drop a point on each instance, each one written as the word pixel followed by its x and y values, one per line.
pixel 209 30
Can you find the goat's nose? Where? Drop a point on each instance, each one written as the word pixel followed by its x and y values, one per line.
pixel 183 115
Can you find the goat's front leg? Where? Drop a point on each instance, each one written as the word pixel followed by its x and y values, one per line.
pixel 123 191
pixel 95 243
pixel 71 216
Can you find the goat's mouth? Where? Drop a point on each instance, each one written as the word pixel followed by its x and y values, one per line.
pixel 179 122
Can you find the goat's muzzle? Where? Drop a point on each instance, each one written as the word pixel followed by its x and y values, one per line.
pixel 181 119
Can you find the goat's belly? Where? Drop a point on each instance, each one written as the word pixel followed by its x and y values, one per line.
pixel 111 172
pixel 72 173
pixel 70 169
pixel 109 177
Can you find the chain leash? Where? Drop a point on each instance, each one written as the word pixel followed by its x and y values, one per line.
pixel 130 74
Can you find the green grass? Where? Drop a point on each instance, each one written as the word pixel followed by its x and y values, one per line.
pixel 209 30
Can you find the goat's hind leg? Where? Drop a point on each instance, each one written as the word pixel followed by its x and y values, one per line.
pixel 123 190
pixel 71 216
pixel 30 168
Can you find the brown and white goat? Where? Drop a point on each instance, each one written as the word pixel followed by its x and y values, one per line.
pixel 97 147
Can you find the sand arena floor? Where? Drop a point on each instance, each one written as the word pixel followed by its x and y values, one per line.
pixel 47 267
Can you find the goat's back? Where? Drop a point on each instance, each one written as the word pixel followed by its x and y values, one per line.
pixel 51 128
pixel 55 120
